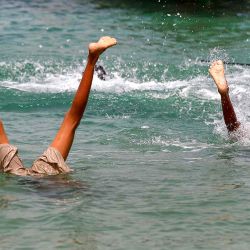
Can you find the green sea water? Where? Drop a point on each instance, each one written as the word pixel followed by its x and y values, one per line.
pixel 153 165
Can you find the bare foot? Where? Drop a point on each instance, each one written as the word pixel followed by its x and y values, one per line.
pixel 216 70
pixel 96 49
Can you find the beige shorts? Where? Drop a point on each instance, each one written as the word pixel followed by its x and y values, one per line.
pixel 50 162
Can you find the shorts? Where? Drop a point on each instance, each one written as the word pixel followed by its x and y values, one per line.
pixel 50 162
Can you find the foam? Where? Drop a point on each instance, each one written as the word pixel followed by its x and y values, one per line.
pixel 54 83
pixel 189 146
pixel 45 78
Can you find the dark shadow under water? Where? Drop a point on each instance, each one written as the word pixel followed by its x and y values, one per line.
pixel 56 186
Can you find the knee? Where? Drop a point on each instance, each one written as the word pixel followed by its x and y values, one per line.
pixel 71 121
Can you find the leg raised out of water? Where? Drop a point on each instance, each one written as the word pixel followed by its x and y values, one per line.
pixel 216 70
pixel 65 135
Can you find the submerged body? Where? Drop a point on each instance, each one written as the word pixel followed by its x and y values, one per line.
pixel 49 163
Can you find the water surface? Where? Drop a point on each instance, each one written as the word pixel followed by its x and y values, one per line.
pixel 153 165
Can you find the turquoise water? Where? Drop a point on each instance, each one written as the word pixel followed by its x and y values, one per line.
pixel 153 165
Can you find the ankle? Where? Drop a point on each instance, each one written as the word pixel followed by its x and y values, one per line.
pixel 224 92
pixel 92 59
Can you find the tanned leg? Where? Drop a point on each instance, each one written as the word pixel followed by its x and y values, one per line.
pixel 3 135
pixel 216 70
pixel 65 135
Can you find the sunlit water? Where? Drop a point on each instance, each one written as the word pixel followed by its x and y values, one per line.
pixel 153 165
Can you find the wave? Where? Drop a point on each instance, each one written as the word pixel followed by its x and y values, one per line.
pixel 53 78
pixel 191 98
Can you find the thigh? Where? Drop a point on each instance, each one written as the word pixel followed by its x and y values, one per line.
pixel 10 161
pixel 50 162
pixel 65 136
pixel 3 135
